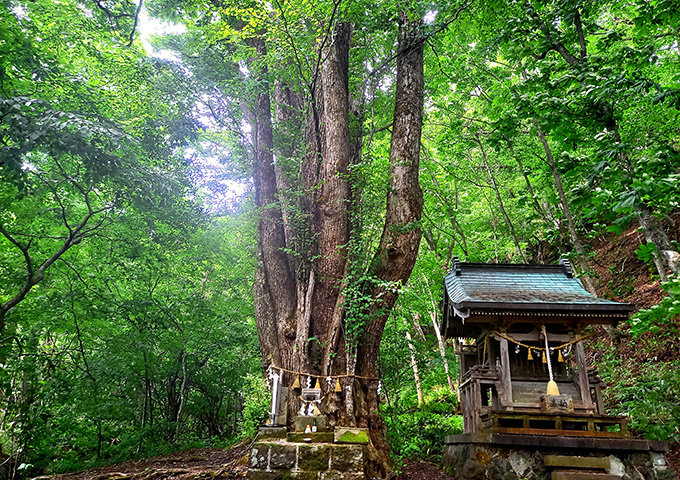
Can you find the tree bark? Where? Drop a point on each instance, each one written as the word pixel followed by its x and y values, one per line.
pixel 665 256
pixel 300 303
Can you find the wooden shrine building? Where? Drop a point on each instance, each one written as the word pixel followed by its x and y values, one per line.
pixel 517 325
pixel 532 407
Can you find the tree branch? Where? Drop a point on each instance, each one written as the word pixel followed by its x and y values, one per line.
pixel 134 26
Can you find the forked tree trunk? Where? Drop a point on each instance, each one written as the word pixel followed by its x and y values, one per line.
pixel 300 288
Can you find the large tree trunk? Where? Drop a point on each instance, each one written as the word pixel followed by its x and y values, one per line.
pixel 275 301
pixel 303 276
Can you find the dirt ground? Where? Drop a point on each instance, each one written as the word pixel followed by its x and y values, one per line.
pixel 416 470
pixel 195 464
pixel 210 464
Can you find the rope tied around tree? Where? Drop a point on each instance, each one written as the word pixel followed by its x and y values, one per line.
pixel 312 375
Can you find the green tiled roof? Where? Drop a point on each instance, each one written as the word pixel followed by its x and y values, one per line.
pixel 542 287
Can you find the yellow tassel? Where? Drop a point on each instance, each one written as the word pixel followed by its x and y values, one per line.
pixel 552 388
pixel 338 388
pixel 296 383
pixel 530 356
pixel 544 360
pixel 317 412
pixel 560 358
pixel 318 385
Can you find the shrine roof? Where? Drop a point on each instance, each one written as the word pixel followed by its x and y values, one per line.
pixel 522 287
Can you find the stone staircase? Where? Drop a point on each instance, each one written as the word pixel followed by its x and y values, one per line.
pixel 567 467
pixel 328 454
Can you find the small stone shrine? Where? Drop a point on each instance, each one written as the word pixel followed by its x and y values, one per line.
pixel 531 406
pixel 314 450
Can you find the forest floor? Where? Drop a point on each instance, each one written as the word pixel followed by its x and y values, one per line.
pixel 211 464
pixel 194 464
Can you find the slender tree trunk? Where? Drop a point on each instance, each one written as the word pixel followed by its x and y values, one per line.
pixel 88 373
pixel 575 239
pixel 440 339
pixel 182 389
pixel 414 365
pixel 665 256
pixel 534 198
pixel 496 190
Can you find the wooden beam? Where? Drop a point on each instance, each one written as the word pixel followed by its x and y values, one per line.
pixel 505 387
pixel 598 399
pixel 583 383
pixel 533 337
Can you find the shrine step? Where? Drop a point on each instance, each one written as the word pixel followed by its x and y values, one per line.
pixel 568 461
pixel 317 437
pixel 582 475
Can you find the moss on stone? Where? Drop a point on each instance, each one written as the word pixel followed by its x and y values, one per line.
pixel 350 436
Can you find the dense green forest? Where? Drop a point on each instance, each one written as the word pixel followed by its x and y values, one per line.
pixel 132 203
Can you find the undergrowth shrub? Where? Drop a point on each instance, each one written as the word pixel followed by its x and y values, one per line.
pixel 659 318
pixel 650 398
pixel 255 406
pixel 419 431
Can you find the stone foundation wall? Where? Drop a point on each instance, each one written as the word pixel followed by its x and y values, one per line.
pixel 491 462
pixel 270 461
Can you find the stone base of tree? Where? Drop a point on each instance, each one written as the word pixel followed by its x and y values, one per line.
pixel 306 456
pixel 515 457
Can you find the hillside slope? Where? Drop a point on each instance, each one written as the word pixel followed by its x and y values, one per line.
pixel 642 371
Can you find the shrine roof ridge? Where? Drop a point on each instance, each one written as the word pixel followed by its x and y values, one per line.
pixel 522 286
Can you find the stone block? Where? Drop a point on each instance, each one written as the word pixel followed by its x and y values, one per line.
pixel 282 456
pixel 616 466
pixel 282 407
pixel 472 470
pixel 257 474
pixel 351 435
pixel 335 475
pixel 519 463
pixel 314 457
pixel 300 475
pixel 259 456
pixel 569 461
pixel 267 431
pixel 346 458
pixel 301 423
pixel 318 437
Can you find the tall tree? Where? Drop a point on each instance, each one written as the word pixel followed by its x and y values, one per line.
pixel 325 282
pixel 329 320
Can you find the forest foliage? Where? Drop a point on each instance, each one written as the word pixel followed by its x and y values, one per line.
pixel 127 261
